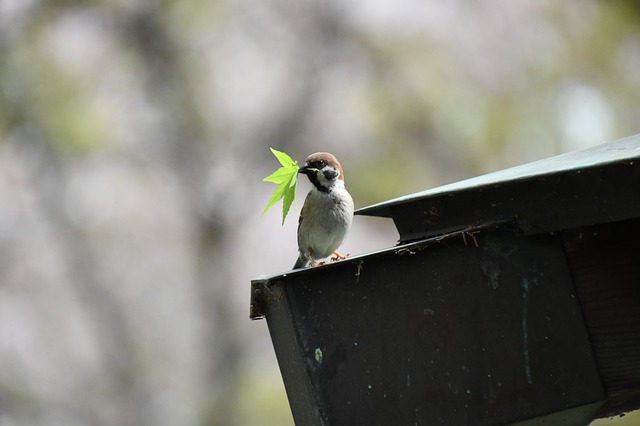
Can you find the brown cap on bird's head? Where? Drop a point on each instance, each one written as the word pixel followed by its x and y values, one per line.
pixel 318 161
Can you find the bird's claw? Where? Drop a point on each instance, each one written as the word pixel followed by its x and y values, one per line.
pixel 337 256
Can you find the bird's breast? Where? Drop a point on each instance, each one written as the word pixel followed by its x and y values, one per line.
pixel 324 228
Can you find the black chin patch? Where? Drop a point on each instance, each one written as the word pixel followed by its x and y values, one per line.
pixel 314 180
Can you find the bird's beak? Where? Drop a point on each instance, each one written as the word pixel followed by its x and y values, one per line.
pixel 307 170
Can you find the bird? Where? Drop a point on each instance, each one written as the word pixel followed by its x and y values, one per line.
pixel 327 212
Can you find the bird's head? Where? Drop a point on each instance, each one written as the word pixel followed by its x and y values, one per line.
pixel 323 170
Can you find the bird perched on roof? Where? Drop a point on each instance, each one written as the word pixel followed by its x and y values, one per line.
pixel 327 212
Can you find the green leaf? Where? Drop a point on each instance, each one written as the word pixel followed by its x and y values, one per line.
pixel 284 159
pixel 289 196
pixel 285 177
pixel 279 176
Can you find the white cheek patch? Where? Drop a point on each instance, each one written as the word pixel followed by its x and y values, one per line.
pixel 329 173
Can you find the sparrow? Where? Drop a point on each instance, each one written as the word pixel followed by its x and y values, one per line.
pixel 327 211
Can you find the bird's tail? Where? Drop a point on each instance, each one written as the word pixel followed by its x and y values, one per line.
pixel 301 262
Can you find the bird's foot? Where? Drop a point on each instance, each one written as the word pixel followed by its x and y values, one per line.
pixel 338 256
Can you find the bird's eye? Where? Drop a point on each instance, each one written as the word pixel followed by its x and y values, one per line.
pixel 321 164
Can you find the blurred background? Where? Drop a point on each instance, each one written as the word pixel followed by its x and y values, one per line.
pixel 134 135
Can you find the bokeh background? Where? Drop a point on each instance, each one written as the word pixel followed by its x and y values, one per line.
pixel 134 135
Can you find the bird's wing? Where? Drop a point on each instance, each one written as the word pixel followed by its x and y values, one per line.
pixel 302 213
